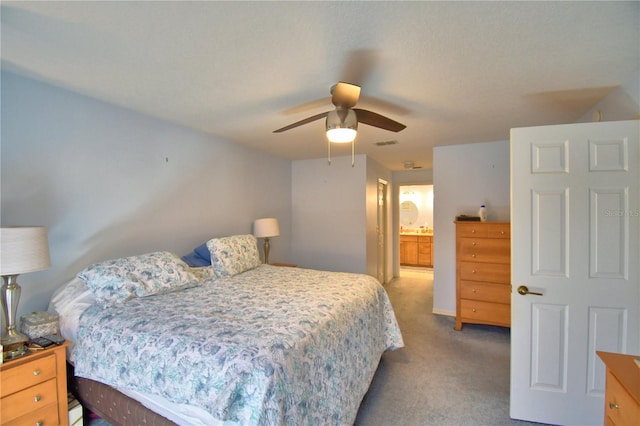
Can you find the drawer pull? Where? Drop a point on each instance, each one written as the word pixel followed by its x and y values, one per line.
pixel 473 243
pixel 37 398
pixel 613 405
pixel 36 372
pixel 473 255
pixel 473 310
pixel 473 290
pixel 473 271
pixel 473 231
pixel 502 232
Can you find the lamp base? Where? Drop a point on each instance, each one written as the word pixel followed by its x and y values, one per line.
pixel 15 350
pixel 14 344
pixel 266 250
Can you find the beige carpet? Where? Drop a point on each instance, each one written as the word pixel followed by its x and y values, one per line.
pixel 441 376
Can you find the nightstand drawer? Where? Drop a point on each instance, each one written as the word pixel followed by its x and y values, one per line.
pixel 29 400
pixel 45 416
pixel 619 406
pixel 27 374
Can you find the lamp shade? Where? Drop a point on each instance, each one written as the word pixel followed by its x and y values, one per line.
pixel 266 227
pixel 23 249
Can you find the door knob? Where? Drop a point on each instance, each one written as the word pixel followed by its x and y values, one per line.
pixel 523 290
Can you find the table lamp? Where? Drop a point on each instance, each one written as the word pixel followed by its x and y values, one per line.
pixel 22 250
pixel 266 228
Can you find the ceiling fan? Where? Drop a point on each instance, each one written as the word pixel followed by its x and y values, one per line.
pixel 342 123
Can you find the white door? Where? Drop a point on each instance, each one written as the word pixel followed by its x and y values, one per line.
pixel 575 219
pixel 382 230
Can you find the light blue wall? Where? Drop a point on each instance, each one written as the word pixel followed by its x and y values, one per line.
pixel 109 182
pixel 328 210
pixel 334 210
pixel 464 177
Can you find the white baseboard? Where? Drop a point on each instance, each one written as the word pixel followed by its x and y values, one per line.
pixel 444 312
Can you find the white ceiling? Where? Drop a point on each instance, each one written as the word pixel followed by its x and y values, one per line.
pixel 453 72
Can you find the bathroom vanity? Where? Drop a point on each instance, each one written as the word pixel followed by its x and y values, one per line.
pixel 416 249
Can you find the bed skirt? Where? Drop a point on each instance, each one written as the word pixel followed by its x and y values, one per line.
pixel 110 404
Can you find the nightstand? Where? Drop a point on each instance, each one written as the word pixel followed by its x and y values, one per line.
pixel 290 265
pixel 33 388
pixel 622 389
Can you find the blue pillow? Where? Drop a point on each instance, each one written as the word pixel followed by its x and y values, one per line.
pixel 199 257
pixel 203 251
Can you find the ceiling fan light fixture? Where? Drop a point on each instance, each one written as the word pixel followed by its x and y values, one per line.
pixel 341 135
pixel 339 129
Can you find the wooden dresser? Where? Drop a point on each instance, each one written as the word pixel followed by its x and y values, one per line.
pixel 483 273
pixel 622 394
pixel 33 389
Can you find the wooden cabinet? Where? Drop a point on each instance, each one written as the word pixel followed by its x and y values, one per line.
pixel 33 389
pixel 416 250
pixel 483 273
pixel 425 250
pixel 622 389
pixel 409 250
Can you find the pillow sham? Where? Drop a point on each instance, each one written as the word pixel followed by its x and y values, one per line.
pixel 118 280
pixel 233 255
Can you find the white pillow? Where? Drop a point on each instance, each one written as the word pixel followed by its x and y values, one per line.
pixel 69 302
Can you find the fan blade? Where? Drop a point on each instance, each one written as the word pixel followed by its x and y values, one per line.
pixel 301 122
pixel 345 95
pixel 377 120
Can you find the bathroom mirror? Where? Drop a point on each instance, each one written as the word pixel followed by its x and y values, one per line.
pixel 408 213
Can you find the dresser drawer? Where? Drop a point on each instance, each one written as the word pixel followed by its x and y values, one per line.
pixel 29 399
pixel 619 406
pixel 485 312
pixel 488 272
pixel 45 416
pixel 499 230
pixel 472 229
pixel 488 292
pixel 27 374
pixel 493 250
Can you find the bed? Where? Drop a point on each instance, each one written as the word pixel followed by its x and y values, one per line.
pixel 234 343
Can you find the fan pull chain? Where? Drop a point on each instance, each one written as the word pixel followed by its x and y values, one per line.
pixel 353 153
pixel 353 156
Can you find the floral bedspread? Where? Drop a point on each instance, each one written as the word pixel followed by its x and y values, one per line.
pixel 269 346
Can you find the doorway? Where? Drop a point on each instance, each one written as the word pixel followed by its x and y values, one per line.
pixel 416 227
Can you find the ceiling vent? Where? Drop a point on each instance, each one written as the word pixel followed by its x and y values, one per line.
pixel 385 143
pixel 409 165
